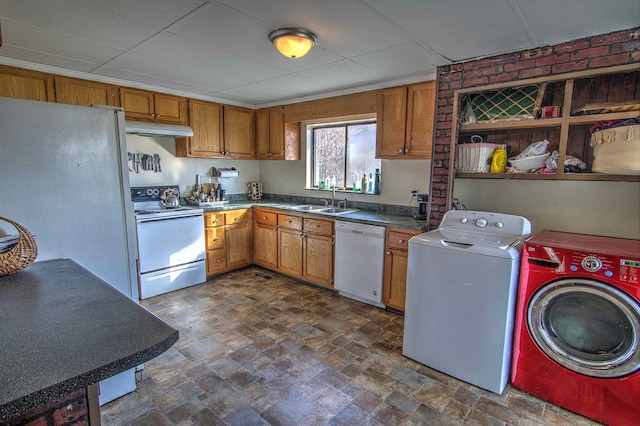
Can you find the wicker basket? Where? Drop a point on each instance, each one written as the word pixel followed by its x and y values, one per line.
pixel 22 254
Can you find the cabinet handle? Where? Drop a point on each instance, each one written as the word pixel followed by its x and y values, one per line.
pixel 406 150
pixel 157 115
pixel 214 221
pixel 275 229
pixel 290 221
pixel 401 241
pixel 400 150
pixel 217 260
pixel 237 218
pixel 388 253
pixel 264 218
pixel 216 239
pixel 317 226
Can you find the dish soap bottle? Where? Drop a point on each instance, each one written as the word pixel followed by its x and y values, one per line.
pixel 376 184
pixel 364 183
pixel 499 161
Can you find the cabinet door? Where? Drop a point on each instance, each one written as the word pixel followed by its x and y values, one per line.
pixel 391 122
pixel 421 102
pixel 265 245
pixel 214 237
pixel 276 133
pixel 216 261
pixel 239 245
pixel 395 278
pixel 290 251
pixel 84 92
pixel 239 132
pixel 262 134
pixel 137 104
pixel 26 84
pixel 170 109
pixel 318 259
pixel 205 118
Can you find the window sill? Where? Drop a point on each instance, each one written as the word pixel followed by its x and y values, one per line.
pixel 342 190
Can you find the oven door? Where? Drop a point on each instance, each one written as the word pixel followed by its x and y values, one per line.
pixel 169 242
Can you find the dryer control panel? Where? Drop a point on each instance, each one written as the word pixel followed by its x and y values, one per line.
pixel 595 265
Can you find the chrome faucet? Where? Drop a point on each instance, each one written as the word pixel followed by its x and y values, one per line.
pixel 343 202
pixel 333 197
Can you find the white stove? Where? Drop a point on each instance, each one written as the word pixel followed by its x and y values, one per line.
pixel 171 247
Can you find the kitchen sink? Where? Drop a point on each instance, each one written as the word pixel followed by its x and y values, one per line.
pixel 309 207
pixel 335 210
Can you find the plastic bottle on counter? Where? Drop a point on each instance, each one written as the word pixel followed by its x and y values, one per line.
pixel 370 187
pixel 499 162
pixel 376 184
pixel 364 183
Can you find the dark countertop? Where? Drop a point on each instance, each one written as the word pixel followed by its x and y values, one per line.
pixel 63 329
pixel 360 216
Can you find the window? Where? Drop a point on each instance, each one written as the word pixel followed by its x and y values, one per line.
pixel 342 153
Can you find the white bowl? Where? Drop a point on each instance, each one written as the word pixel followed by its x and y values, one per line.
pixel 529 163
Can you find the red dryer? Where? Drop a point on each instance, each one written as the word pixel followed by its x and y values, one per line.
pixel 577 332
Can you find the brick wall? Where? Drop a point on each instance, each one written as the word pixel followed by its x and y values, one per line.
pixel 617 48
pixel 71 410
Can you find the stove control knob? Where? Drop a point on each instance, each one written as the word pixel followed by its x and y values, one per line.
pixel 481 223
pixel 464 220
pixel 591 264
pixel 499 224
pixel 149 191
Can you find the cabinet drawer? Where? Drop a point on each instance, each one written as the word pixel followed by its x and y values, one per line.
pixel 288 221
pixel 215 237
pixel 398 239
pixel 266 218
pixel 318 226
pixel 213 219
pixel 237 216
pixel 216 260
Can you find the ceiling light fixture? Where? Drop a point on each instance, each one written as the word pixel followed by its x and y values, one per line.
pixel 293 42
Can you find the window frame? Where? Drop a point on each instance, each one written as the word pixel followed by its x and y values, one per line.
pixel 325 124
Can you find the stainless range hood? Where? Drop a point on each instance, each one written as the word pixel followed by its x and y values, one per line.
pixel 144 128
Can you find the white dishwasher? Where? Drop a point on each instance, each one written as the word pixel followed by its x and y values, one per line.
pixel 359 261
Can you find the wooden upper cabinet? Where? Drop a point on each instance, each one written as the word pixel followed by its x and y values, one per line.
pixel 275 139
pixel 26 84
pixel 205 118
pixel 151 106
pixel 239 132
pixel 391 122
pixel 84 92
pixel 421 102
pixel 405 121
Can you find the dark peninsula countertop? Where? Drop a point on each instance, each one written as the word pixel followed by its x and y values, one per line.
pixel 63 329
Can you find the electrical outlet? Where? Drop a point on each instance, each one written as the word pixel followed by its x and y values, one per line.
pixel 414 192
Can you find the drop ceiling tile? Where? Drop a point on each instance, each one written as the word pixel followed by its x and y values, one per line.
pixel 76 20
pixel 205 66
pixel 549 25
pixel 220 27
pixel 342 74
pixel 56 44
pixel 405 60
pixel 151 80
pixel 44 58
pixel 155 13
pixel 344 27
pixel 280 88
pixel 485 27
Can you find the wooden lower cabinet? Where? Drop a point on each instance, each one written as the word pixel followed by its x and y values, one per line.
pixel 265 238
pixel 318 259
pixel 395 267
pixel 228 238
pixel 295 245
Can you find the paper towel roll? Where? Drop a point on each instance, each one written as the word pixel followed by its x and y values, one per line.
pixel 225 173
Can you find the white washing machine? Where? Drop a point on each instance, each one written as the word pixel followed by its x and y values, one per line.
pixel 461 292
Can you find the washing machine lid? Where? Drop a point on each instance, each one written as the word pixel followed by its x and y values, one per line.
pixel 460 228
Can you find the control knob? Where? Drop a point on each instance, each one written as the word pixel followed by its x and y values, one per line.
pixel 481 223
pixel 591 264
pixel 464 220
pixel 499 224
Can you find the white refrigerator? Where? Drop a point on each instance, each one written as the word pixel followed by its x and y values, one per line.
pixel 64 176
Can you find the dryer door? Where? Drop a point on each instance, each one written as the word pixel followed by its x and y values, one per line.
pixel 587 326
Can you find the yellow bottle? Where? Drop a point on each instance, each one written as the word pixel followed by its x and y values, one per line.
pixel 499 162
